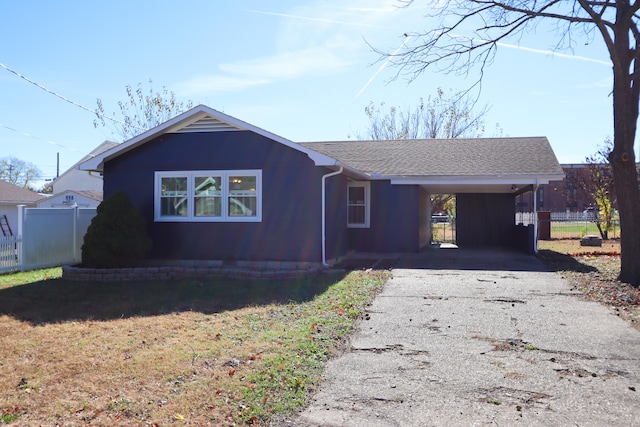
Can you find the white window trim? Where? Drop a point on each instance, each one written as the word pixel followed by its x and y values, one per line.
pixel 191 175
pixel 367 203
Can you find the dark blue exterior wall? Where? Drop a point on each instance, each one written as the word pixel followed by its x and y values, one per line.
pixel 485 220
pixel 291 198
pixel 395 220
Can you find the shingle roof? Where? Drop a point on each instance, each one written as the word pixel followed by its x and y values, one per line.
pixel 13 194
pixel 445 157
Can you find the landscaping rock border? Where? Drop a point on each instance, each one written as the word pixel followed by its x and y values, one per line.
pixel 137 274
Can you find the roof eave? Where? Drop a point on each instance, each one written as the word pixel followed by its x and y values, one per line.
pixel 539 179
pixel 97 163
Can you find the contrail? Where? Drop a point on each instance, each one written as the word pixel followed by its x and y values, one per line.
pixel 552 53
pixel 532 50
pixel 382 67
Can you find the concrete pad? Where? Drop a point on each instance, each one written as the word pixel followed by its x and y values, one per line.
pixel 482 338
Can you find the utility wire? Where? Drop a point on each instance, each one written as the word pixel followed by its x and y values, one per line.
pixel 104 116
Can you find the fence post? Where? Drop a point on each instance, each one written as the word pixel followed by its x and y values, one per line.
pixel 75 233
pixel 21 214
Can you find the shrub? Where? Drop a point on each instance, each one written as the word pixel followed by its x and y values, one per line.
pixel 117 234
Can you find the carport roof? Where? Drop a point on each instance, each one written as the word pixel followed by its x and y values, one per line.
pixel 445 157
pixel 479 165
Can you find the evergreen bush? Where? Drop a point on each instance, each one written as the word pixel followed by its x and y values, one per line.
pixel 117 235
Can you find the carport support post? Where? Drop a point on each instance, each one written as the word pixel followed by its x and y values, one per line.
pixel 324 213
pixel 535 217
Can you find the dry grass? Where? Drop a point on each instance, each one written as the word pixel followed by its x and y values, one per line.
pixel 594 271
pixel 572 246
pixel 185 353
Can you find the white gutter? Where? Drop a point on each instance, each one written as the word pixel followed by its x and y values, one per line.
pixel 324 209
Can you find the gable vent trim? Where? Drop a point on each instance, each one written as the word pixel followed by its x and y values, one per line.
pixel 207 124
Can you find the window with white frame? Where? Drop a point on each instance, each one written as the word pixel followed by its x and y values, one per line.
pixel 201 196
pixel 358 195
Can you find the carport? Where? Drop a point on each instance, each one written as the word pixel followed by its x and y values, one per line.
pixel 485 174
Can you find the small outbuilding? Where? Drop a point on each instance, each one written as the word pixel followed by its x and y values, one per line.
pixel 214 188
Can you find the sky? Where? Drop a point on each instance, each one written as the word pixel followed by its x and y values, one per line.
pixel 302 69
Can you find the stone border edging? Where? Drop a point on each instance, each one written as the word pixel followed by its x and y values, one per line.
pixel 137 274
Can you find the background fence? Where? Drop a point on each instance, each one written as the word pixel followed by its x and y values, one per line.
pixel 569 225
pixel 46 238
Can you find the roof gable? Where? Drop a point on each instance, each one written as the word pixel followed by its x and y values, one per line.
pixel 199 119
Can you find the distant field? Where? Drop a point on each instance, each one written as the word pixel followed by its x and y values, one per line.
pixel 567 230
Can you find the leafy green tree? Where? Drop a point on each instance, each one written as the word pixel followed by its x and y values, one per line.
pixel 142 110
pixel 444 45
pixel 600 186
pixel 116 236
pixel 19 172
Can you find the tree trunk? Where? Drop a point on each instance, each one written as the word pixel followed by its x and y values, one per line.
pixel 622 158
pixel 626 179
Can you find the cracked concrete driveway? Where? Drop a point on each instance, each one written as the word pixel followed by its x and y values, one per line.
pixel 481 338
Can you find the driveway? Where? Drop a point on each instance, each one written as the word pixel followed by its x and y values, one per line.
pixel 473 338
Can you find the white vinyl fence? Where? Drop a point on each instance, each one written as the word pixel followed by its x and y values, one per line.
pixel 46 238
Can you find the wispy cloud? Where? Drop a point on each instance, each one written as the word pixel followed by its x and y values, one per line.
pixel 312 39
pixel 245 74
pixel 323 20
pixel 289 65
pixel 207 84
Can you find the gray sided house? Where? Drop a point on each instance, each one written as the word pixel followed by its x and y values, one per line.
pixel 214 188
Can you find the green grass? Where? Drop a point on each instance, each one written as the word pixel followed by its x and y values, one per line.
pixel 577 229
pixel 13 279
pixel 222 352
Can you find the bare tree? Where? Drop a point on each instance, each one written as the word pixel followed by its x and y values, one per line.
pixel 19 172
pixel 439 117
pixel 141 111
pixel 493 21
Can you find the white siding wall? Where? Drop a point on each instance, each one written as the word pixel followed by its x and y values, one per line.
pixel 75 179
pixel 59 201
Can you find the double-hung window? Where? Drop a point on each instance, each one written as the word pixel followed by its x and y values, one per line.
pixel 358 201
pixel 201 196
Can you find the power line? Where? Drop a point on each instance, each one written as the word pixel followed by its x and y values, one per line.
pixel 104 116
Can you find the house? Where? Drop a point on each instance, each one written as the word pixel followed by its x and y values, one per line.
pixel 71 198
pixel 10 197
pixel 212 187
pixel 80 180
pixel 76 187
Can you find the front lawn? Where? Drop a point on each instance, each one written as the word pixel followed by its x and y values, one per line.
pixel 170 353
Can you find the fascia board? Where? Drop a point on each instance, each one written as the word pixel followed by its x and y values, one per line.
pixel 479 180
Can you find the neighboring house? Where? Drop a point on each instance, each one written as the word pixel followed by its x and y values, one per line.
pixel 70 198
pixel 10 197
pixel 568 194
pixel 76 179
pixel 212 187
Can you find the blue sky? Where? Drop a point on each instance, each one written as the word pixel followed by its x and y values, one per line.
pixel 300 69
